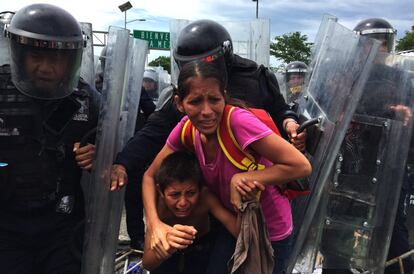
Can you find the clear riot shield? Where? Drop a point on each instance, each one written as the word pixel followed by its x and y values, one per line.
pixel 340 63
pixel 409 199
pixel 5 18
pixel 251 40
pixel 281 80
pixel 121 91
pixel 87 66
pixel 356 215
pixel 164 79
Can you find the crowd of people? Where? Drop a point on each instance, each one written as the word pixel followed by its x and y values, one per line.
pixel 178 168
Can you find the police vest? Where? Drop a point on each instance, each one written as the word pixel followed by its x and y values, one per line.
pixel 36 142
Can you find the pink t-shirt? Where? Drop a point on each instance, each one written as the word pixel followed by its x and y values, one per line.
pixel 247 128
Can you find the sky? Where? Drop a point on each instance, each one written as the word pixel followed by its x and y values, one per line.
pixel 285 15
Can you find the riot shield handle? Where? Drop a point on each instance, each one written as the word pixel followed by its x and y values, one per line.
pixel 308 123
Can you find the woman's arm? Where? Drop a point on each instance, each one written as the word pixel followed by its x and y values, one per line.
pixel 151 258
pixel 156 229
pixel 288 164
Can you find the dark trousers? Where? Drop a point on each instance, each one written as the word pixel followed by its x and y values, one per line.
pixel 38 243
pixel 399 240
pixel 225 245
pixel 223 249
pixel 282 250
pixel 191 260
pixel 135 209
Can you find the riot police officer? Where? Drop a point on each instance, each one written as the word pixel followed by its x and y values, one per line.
pixel 355 155
pixel 150 83
pixel 380 29
pixel 46 109
pixel 295 78
pixel 383 31
pixel 208 41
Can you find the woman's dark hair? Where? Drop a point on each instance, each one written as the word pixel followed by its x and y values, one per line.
pixel 200 69
pixel 178 167
pixel 203 69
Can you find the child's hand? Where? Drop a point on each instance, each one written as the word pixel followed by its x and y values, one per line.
pixel 249 189
pixel 181 236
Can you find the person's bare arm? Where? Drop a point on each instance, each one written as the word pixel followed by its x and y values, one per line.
pixel 288 164
pixel 152 258
pixel 230 220
pixel 155 228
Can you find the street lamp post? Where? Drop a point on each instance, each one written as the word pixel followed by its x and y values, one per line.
pixel 141 20
pixel 257 8
pixel 124 7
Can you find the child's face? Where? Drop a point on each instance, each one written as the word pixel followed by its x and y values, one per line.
pixel 181 197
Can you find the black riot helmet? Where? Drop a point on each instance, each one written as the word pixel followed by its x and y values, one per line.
pixel 46 44
pixel 379 29
pixel 203 40
pixel 295 76
pixel 5 17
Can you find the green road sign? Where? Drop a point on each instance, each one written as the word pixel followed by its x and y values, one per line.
pixel 156 39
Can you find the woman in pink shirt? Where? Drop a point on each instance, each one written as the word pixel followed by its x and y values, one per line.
pixel 201 96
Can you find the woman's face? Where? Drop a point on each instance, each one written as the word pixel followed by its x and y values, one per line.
pixel 204 104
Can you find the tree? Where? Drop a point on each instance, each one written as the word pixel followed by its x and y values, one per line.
pixel 291 47
pixel 406 43
pixel 163 61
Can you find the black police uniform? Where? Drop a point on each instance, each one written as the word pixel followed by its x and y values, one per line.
pixel 145 108
pixel 41 201
pixel 247 81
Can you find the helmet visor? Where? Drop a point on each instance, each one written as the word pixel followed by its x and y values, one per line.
pixel 386 39
pixel 45 73
pixel 295 81
pixel 210 56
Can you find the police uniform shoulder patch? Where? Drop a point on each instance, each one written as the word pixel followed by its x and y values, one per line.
pixel 82 114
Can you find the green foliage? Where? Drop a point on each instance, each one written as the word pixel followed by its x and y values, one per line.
pixel 163 61
pixel 291 47
pixel 406 43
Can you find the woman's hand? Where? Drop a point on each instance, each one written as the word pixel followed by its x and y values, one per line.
pixel 158 241
pixel 181 236
pixel 249 189
pixel 243 189
pixel 235 196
